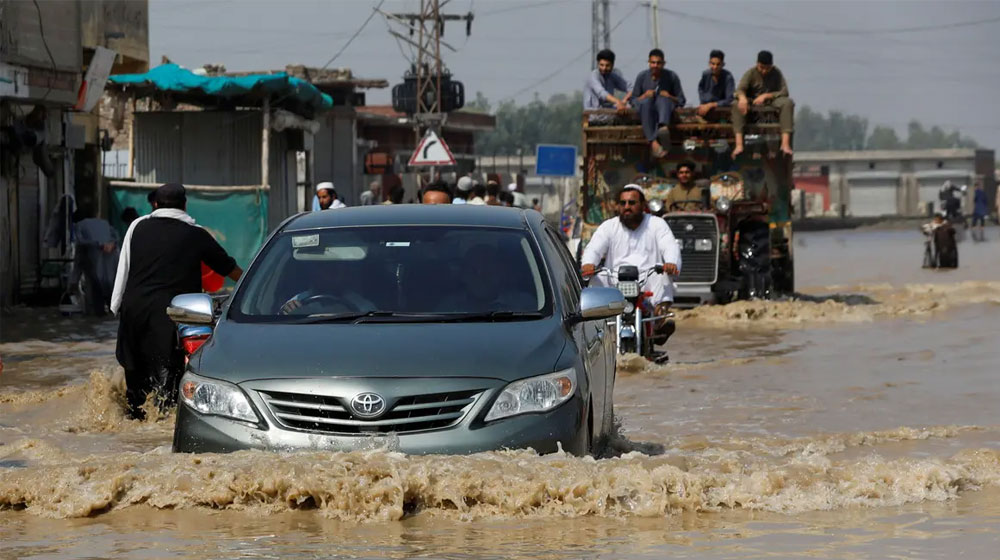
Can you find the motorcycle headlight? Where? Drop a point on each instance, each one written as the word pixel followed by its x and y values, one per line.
pixel 723 204
pixel 629 289
pixel 211 396
pixel 628 308
pixel 535 394
pixel 702 244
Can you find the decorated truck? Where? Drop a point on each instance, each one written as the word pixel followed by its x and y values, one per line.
pixel 739 246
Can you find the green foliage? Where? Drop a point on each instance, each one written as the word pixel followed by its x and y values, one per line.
pixel 557 121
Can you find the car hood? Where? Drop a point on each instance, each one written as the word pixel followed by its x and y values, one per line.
pixel 239 352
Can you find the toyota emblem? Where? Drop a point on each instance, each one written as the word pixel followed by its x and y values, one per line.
pixel 368 405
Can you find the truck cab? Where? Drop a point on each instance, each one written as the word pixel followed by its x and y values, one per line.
pixel 738 246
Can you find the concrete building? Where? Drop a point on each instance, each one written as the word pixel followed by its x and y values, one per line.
pixel 49 150
pixel 891 182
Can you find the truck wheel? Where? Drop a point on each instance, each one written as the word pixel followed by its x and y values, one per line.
pixel 755 261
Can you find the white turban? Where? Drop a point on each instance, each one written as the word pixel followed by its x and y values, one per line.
pixel 324 186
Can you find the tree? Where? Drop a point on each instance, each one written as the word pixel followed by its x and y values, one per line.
pixel 557 121
pixel 883 138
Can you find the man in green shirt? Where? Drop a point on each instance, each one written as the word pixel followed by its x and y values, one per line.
pixel 763 85
pixel 686 196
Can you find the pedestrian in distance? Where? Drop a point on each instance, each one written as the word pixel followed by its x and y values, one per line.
pixel 373 195
pixel 326 197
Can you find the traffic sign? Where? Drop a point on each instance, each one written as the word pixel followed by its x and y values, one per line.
pixel 432 151
pixel 555 159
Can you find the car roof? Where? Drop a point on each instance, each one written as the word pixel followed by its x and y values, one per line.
pixel 411 214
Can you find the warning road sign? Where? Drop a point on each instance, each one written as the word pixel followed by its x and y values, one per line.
pixel 432 151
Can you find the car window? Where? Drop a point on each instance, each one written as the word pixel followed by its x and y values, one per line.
pixel 396 269
pixel 562 276
pixel 568 261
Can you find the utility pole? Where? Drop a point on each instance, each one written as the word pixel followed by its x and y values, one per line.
pixel 424 32
pixel 600 29
pixel 655 19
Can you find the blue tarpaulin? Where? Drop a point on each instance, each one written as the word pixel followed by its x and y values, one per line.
pixel 173 78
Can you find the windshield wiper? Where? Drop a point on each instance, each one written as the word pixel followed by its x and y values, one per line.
pixel 494 316
pixel 344 316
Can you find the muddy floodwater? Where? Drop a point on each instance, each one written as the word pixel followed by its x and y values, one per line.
pixel 860 420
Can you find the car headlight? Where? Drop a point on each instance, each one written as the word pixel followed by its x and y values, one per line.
pixel 211 396
pixel 723 204
pixel 702 244
pixel 535 394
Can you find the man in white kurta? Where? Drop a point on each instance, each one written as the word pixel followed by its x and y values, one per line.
pixel 635 238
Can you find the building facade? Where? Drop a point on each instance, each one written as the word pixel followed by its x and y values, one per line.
pixel 891 182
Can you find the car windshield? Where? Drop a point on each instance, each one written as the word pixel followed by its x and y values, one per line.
pixel 395 273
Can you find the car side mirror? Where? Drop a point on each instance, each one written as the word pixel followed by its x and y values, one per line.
pixel 600 303
pixel 191 309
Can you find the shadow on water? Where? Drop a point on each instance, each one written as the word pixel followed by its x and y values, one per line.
pixel 846 299
pixel 619 444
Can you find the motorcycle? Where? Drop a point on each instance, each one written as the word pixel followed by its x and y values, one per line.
pixel 635 327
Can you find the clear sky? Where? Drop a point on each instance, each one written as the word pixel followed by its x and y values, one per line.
pixel 889 60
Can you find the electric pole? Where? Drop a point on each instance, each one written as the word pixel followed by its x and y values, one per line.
pixel 600 29
pixel 655 19
pixel 432 81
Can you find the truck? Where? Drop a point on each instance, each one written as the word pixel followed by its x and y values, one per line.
pixel 740 245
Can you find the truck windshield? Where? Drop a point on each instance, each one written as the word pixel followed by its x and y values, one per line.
pixel 388 273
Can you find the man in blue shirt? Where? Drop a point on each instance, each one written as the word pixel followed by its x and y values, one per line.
pixel 717 86
pixel 657 92
pixel 599 92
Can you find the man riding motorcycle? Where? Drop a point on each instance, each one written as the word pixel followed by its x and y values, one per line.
pixel 642 240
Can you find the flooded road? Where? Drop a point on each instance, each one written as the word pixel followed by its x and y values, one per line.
pixel 859 421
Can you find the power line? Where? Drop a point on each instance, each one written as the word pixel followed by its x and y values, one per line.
pixel 524 7
pixel 829 31
pixel 356 33
pixel 571 62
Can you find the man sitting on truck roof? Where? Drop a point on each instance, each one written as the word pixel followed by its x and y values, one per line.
pixel 685 196
pixel 762 85
pixel 717 86
pixel 657 92
pixel 599 91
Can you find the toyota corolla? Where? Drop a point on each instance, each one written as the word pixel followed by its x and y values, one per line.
pixel 429 329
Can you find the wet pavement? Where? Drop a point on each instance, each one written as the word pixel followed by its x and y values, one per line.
pixel 858 421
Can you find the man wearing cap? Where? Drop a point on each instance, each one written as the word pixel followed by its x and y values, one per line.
pixel 763 85
pixel 640 239
pixel 463 189
pixel 161 258
pixel 326 198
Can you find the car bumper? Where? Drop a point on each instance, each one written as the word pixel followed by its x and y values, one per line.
pixel 692 294
pixel 545 433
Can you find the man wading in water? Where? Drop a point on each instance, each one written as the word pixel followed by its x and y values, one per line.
pixel 161 258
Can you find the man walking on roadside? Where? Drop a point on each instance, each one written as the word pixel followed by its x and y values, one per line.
pixel 161 258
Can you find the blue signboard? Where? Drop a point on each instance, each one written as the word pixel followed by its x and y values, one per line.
pixel 555 159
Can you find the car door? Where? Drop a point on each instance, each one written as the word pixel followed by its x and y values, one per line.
pixel 591 336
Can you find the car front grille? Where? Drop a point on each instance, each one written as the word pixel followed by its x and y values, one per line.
pixel 320 413
pixel 696 266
